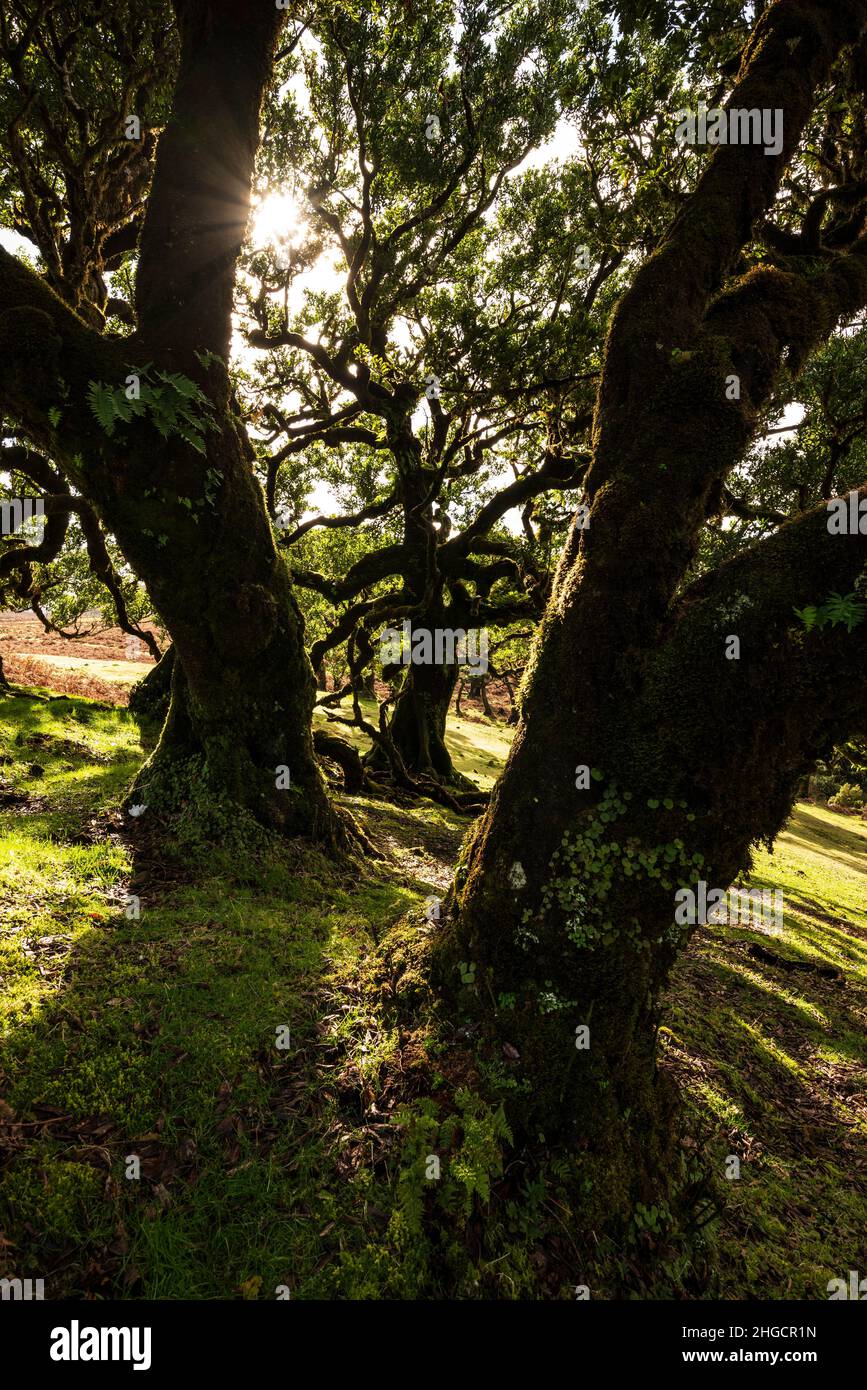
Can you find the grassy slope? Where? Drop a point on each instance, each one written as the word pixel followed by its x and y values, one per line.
pixel 157 1038
pixel 774 1062
pixel 262 1167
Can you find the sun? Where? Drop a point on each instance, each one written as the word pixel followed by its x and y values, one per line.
pixel 278 220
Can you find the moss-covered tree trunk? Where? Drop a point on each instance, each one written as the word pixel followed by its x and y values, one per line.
pixel 182 499
pixel 418 724
pixel 652 750
pixel 652 772
pixel 242 689
pixel 149 697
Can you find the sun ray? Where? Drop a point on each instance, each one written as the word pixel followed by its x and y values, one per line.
pixel 278 220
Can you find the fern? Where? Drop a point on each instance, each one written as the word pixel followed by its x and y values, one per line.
pixel 845 609
pixel 808 616
pixel 208 359
pixel 480 1156
pixel 174 403
pixel 101 401
pixel 192 437
pixel 182 385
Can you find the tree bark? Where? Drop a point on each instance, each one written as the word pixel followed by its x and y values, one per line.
pixel 565 896
pixel 149 697
pixel 347 758
pixel 418 724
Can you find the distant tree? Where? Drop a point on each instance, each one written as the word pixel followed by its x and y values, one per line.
pixel 74 568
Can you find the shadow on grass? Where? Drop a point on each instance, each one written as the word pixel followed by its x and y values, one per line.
pixel 168 1117
pixel 773 1064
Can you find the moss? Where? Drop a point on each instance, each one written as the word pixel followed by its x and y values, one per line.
pixel 49 1194
pixel 149 697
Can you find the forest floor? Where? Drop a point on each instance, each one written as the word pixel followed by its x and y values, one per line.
pixel 263 1168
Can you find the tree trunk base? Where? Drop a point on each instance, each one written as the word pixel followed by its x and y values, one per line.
pixel 218 787
pixel 149 697
pixel 631 1198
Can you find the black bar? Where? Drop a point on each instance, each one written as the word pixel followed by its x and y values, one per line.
pixel 258 1338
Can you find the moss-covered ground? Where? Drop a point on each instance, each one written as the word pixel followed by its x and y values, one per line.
pixel 205 1024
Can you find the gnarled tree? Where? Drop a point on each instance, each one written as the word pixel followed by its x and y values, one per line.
pixel 481 287
pixel 661 760
pixel 141 423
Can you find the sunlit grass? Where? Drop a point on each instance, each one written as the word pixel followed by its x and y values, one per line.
pixel 773 1063
pixel 163 1030
pixel 156 1037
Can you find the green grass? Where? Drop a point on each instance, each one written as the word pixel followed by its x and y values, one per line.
pixel 156 1037
pixel 774 1065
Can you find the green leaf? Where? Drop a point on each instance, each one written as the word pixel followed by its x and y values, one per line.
pixel 182 385
pixel 101 401
pixel 192 437
pixel 808 616
pixel 845 610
